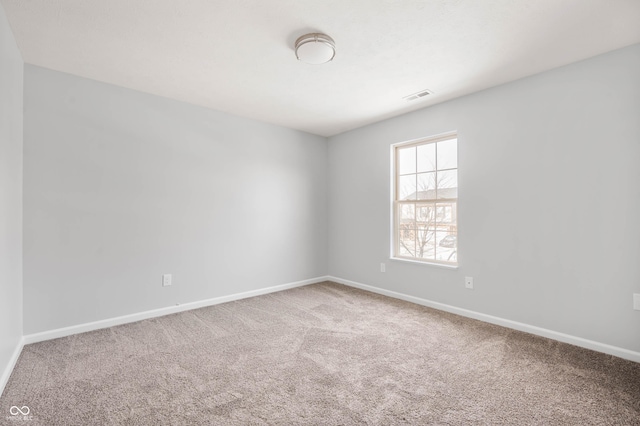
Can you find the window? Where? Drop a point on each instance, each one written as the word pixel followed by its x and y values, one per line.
pixel 426 200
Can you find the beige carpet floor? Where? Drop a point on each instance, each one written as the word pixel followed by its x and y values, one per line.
pixel 324 354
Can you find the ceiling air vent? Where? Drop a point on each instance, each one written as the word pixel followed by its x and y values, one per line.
pixel 418 95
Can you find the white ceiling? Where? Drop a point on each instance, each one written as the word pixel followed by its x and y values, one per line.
pixel 237 55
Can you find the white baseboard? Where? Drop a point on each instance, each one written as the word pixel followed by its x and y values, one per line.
pixel 96 325
pixel 565 338
pixel 4 378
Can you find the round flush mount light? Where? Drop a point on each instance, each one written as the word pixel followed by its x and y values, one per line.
pixel 315 48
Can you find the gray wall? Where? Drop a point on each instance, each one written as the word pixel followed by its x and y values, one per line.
pixel 121 187
pixel 11 80
pixel 549 201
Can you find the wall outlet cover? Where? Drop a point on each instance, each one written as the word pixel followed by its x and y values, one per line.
pixel 166 280
pixel 468 282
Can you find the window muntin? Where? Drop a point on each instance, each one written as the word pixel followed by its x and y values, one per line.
pixel 426 200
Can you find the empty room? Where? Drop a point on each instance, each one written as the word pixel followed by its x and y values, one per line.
pixel 294 212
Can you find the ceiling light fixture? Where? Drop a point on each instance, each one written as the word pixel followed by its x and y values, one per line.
pixel 315 48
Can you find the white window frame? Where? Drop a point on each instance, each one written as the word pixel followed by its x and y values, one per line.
pixel 395 202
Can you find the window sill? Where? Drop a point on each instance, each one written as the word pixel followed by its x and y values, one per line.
pixel 419 262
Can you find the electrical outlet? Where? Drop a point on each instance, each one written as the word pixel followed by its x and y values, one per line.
pixel 383 268
pixel 468 282
pixel 166 280
pixel 636 301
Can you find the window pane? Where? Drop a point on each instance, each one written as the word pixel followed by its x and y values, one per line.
pixel 427 157
pixel 407 213
pixel 447 246
pixel 407 187
pixel 448 184
pixel 426 186
pixel 407 241
pixel 407 160
pixel 446 214
pixel 425 242
pixel 425 215
pixel 448 154
pixel 446 239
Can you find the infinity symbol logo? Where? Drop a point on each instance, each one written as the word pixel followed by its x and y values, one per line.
pixel 15 410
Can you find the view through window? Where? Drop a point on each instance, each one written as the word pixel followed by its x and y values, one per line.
pixel 426 200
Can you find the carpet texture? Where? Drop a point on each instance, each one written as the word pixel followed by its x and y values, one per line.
pixel 324 354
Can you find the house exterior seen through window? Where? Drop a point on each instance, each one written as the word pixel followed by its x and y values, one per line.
pixel 425 203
